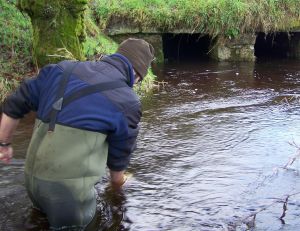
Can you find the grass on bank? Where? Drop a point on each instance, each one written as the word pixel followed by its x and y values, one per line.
pixel 213 17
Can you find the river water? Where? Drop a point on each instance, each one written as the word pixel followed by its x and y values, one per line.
pixel 215 148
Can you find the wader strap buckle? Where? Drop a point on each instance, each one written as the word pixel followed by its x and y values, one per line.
pixel 57 105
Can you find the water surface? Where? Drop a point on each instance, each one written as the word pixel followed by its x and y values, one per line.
pixel 211 153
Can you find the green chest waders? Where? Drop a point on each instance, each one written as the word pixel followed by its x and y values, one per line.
pixel 63 164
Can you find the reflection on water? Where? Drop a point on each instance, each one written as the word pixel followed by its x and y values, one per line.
pixel 210 155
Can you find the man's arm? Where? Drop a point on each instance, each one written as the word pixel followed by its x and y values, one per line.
pixel 8 126
pixel 15 106
pixel 121 145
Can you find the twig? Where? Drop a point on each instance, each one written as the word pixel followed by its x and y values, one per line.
pixel 292 160
pixel 287 100
pixel 284 207
pixel 251 223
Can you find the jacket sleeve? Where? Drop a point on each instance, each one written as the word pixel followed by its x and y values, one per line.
pixel 122 142
pixel 26 97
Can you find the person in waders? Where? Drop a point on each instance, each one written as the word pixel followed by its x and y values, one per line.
pixel 87 117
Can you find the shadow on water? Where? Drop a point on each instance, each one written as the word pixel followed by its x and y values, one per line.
pixel 211 153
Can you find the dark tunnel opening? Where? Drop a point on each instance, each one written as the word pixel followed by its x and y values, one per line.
pixel 185 47
pixel 272 45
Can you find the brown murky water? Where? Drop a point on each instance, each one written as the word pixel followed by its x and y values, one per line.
pixel 211 153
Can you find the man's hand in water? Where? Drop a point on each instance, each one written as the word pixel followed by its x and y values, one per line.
pixel 118 179
pixel 7 127
pixel 6 154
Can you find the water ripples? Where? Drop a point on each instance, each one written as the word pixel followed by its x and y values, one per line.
pixel 210 155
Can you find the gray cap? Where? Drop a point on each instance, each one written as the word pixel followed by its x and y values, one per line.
pixel 139 52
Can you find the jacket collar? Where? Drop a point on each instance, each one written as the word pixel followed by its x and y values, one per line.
pixel 122 64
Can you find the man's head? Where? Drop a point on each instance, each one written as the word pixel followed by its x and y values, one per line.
pixel 140 54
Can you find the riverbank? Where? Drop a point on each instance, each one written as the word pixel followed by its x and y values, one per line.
pixel 228 18
pixel 215 17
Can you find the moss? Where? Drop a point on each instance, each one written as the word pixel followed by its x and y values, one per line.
pixel 58 29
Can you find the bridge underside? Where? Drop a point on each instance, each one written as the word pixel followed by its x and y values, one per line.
pixel 247 47
pixel 281 45
pixel 178 47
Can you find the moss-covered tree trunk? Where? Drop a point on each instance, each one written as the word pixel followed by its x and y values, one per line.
pixel 58 29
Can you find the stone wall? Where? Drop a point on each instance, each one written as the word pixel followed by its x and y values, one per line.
pixel 235 49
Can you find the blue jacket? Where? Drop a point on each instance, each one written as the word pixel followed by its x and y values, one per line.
pixel 115 112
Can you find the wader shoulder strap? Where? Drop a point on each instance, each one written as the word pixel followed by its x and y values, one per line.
pixel 93 89
pixel 57 105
